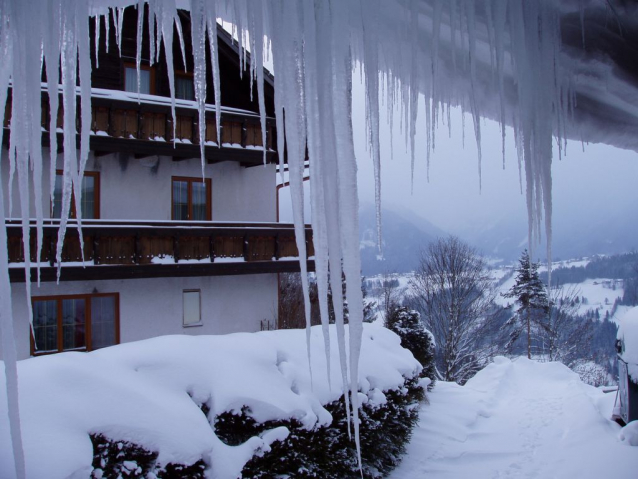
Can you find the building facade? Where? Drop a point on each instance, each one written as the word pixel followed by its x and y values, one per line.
pixel 167 248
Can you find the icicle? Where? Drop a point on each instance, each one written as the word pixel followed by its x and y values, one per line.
pixel 414 93
pixel 138 39
pixel 7 334
pixel 211 10
pixel 167 18
pixel 51 47
pixel 97 18
pixel 84 59
pixel 107 28
pixel 291 102
pixel 371 65
pixel 69 64
pixel 198 38
pixel 315 151
pixel 256 64
pixel 119 24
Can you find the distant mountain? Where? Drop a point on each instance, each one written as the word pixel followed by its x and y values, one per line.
pixel 404 235
pixel 506 238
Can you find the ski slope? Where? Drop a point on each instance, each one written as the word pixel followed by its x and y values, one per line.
pixel 518 419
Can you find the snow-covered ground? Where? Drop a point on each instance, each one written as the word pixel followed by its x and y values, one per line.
pixel 519 419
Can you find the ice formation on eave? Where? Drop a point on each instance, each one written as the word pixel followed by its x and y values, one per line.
pixel 490 57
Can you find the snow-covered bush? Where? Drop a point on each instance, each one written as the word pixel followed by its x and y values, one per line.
pixel 387 420
pixel 592 373
pixel 407 324
pixel 123 459
pixel 148 408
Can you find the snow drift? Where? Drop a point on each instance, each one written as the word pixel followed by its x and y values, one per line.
pixel 150 392
pixel 628 335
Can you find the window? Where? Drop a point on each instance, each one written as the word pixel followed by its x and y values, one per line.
pixel 192 308
pixel 75 323
pixel 147 79
pixel 184 86
pixel 191 199
pixel 90 203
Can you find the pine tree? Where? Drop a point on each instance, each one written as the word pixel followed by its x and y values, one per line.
pixel 531 296
pixel 407 324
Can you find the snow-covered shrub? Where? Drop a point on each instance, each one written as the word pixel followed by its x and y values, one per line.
pixel 592 373
pixel 123 459
pixel 387 420
pixel 407 324
pixel 155 401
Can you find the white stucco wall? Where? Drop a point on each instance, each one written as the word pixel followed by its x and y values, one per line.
pixel 130 190
pixel 153 307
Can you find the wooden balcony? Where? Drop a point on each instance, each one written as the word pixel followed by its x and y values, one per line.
pixel 122 124
pixel 136 249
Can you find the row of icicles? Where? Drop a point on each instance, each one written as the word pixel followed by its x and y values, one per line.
pixel 407 48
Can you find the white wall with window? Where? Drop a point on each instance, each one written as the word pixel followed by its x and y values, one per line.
pixel 87 316
pixel 122 187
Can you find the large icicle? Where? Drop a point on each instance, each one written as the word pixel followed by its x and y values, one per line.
pixel 198 38
pixel 7 334
pixel 313 84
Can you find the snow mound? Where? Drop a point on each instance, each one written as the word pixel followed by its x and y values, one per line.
pixel 628 334
pixel 150 393
pixel 629 434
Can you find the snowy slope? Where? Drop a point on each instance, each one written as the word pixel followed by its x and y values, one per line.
pixel 518 419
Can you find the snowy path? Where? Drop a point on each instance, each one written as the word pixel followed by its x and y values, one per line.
pixel 518 420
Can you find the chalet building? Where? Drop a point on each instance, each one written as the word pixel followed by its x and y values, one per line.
pixel 165 250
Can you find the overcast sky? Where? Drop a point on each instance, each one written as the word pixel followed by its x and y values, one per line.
pixel 588 185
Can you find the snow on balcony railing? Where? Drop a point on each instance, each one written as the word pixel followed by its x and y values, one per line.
pixel 143 243
pixel 125 116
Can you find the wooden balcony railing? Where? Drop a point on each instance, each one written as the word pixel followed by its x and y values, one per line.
pixel 121 123
pixel 135 249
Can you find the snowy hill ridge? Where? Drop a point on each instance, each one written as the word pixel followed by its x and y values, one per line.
pixel 150 393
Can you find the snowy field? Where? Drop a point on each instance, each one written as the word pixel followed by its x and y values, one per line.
pixel 519 419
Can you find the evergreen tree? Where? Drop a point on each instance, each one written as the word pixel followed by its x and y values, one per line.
pixel 407 324
pixel 533 306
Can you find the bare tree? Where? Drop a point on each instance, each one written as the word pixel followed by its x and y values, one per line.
pixel 453 292
pixel 291 314
pixel 566 337
pixel 390 295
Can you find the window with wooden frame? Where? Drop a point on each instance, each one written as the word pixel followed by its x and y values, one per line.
pixel 184 87
pixel 190 199
pixel 147 78
pixel 82 322
pixel 90 202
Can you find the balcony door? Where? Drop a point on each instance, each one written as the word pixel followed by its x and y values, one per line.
pixel 191 199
